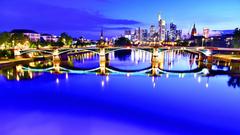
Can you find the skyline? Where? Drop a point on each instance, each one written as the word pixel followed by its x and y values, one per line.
pixel 87 18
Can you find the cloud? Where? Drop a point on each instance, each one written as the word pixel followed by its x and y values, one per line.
pixel 49 18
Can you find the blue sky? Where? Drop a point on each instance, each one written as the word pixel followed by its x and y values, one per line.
pixel 87 17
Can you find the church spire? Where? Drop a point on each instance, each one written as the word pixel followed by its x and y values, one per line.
pixel 101 36
pixel 194 31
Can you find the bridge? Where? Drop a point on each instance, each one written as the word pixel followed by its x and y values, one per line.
pixel 155 69
pixel 203 53
pixel 105 50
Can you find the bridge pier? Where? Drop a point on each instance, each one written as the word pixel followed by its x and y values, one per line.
pixel 17 53
pixel 155 65
pixel 210 59
pixel 56 64
pixel 56 55
pixel 56 61
pixel 200 57
pixel 157 62
pixel 155 52
pixel 102 52
pixel 102 63
pixel 102 60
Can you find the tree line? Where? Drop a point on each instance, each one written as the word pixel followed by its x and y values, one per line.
pixel 9 40
pixel 236 38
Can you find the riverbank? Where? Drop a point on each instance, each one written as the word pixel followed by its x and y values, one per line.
pixel 19 60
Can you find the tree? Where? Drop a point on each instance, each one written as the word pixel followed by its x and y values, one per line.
pixel 182 43
pixel 5 38
pixel 236 38
pixel 122 41
pixel 18 38
pixel 65 39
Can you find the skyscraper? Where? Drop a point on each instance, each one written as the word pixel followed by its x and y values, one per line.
pixel 173 32
pixel 139 35
pixel 206 32
pixel 179 35
pixel 152 30
pixel 162 28
pixel 128 34
pixel 144 35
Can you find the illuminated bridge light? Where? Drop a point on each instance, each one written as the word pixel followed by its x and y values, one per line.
pixel 199 79
pixel 66 75
pixel 167 75
pixel 154 85
pixel 107 78
pixel 102 83
pixel 207 85
pixel 57 81
pixel 195 75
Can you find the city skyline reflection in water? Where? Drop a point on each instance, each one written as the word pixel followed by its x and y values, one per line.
pixel 45 98
pixel 129 61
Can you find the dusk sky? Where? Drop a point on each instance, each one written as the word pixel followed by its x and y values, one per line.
pixel 87 17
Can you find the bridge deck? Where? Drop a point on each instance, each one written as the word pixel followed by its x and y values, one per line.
pixel 227 58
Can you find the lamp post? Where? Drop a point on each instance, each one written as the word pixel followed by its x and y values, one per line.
pixel 211 41
pixel 13 42
pixel 202 41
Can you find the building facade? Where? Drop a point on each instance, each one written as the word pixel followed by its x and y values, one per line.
pixel 32 35
pixel 49 38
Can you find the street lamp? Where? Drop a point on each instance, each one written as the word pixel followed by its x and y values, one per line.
pixel 211 41
pixel 13 43
pixel 202 41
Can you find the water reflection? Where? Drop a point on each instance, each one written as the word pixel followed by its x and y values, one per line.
pixel 180 60
pixel 234 81
pixel 128 62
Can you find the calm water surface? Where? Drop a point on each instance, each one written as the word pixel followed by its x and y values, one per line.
pixel 36 99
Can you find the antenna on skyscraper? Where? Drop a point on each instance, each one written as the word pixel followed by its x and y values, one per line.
pixel 101 36
pixel 159 17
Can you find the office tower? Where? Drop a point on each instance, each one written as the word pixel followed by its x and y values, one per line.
pixel 206 32
pixel 179 35
pixel 128 34
pixel 162 28
pixel 144 35
pixel 173 32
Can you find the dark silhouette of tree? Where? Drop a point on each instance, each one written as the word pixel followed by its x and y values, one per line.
pixel 19 38
pixel 65 39
pixel 182 43
pixel 82 42
pixel 122 41
pixel 236 38
pixel 5 38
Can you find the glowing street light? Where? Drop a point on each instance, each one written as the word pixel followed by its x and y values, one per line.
pixel 202 41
